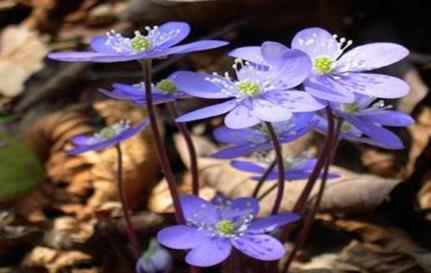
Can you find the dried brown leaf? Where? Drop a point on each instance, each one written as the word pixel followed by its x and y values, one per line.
pixel 373 259
pixel 378 233
pixel 350 193
pixel 21 54
pixel 54 260
pixel 421 133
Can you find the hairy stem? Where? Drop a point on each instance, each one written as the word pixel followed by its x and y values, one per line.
pixel 263 178
pixel 280 165
pixel 315 173
pixel 182 127
pixel 160 145
pixel 309 220
pixel 131 231
pixel 324 155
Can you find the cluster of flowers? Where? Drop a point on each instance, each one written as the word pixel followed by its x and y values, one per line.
pixel 288 88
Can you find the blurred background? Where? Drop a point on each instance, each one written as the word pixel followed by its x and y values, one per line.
pixel 59 213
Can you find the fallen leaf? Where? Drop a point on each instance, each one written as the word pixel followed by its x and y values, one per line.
pixel 373 259
pixel 21 54
pixel 351 193
pixel 55 261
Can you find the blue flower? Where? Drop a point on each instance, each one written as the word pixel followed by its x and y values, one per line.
pixel 257 95
pixel 214 227
pixel 156 259
pixel 256 138
pixel 164 91
pixel 159 41
pixel 336 76
pixel 105 138
pixel 295 169
pixel 363 121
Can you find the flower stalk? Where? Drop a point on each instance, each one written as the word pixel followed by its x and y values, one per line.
pixel 280 166
pixel 160 146
pixel 131 231
pixel 309 220
pixel 182 127
pixel 263 178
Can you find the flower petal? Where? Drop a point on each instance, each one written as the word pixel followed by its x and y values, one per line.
pixel 247 166
pixel 261 247
pixel 248 53
pixel 245 204
pixel 98 44
pixel 209 111
pixel 377 133
pixel 195 46
pixel 198 210
pixel 272 222
pixel 295 101
pixel 375 85
pixel 237 210
pixel 197 84
pixel 81 56
pixel 181 237
pixel 240 117
pixel 370 56
pixel 306 164
pixel 237 136
pixel 212 252
pixel 327 89
pixel 182 29
pixel 292 67
pixel 270 110
pixel 388 118
pixel 241 150
pixel 272 52
pixel 316 42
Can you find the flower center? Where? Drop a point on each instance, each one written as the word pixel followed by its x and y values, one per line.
pixel 225 227
pixel 167 86
pixel 140 42
pixel 350 107
pixel 112 131
pixel 106 133
pixel 248 88
pixel 346 127
pixel 323 64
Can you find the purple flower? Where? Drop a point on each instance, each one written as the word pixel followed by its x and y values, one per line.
pixel 256 138
pixel 105 138
pixel 156 259
pixel 159 41
pixel 214 227
pixel 336 76
pixel 257 95
pixel 164 91
pixel 363 121
pixel 295 169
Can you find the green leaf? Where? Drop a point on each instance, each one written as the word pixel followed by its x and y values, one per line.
pixel 20 169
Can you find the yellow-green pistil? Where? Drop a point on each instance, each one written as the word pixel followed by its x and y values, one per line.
pixel 167 86
pixel 248 88
pixel 346 127
pixel 107 133
pixel 140 42
pixel 351 107
pixel 225 227
pixel 323 64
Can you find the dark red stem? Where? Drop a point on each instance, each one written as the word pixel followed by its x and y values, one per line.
pixel 182 127
pixel 131 231
pixel 280 165
pixel 160 146
pixel 309 220
pixel 263 178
